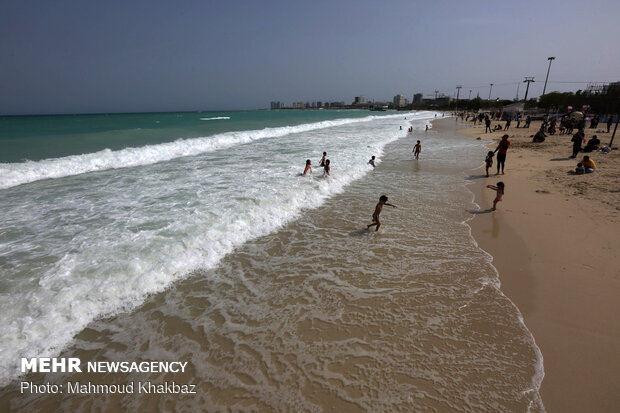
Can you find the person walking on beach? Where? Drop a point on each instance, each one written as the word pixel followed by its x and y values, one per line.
pixel 507 124
pixel 499 189
pixel 502 150
pixel 489 161
pixel 417 149
pixel 577 140
pixel 528 120
pixel 610 120
pixel 487 124
pixel 375 216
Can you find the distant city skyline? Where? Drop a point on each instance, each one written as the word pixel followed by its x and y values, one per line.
pixel 75 57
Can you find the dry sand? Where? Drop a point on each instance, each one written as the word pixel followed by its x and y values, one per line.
pixel 555 242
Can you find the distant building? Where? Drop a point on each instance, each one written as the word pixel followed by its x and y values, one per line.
pixel 319 104
pixel 359 100
pixel 277 105
pixel 399 100
pixel 417 98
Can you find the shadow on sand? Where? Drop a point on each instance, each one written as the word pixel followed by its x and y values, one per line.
pixel 361 233
pixel 480 212
pixel 561 159
pixel 476 176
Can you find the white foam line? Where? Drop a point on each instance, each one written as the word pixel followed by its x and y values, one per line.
pixel 539 370
pixel 14 174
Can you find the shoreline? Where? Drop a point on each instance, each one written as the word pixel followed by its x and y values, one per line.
pixel 553 249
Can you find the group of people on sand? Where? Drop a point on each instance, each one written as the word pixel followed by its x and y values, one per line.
pixel 324 163
pixel 502 151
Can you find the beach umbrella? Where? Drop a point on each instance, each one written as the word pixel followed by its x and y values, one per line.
pixel 576 115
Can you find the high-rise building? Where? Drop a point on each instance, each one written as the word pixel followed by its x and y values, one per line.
pixel 399 100
pixel 277 105
pixel 417 98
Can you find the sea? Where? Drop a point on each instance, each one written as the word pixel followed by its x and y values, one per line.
pixel 194 237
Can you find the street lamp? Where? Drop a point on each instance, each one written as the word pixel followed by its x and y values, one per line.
pixel 490 89
pixel 550 59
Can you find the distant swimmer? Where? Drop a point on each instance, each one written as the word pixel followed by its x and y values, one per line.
pixel 308 168
pixel 375 217
pixel 326 168
pixel 426 127
pixel 417 149
pixel 401 128
pixel 322 161
pixel 372 161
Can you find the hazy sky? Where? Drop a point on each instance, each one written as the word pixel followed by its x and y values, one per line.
pixel 117 56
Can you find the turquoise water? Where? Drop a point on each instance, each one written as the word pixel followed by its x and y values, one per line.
pixel 42 137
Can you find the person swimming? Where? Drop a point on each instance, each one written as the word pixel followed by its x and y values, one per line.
pixel 308 168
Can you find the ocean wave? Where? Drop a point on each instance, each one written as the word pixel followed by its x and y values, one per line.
pixel 216 118
pixel 154 244
pixel 14 174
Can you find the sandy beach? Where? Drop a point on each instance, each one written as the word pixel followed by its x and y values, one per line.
pixel 554 240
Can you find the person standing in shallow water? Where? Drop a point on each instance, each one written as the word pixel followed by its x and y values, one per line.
pixel 375 216
pixel 417 149
pixel 326 168
pixel 502 150
pixel 322 161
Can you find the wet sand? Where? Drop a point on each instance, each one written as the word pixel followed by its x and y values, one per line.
pixel 554 240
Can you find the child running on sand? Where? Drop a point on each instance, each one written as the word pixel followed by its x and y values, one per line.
pixel 500 192
pixel 375 217
pixel 417 149
pixel 489 161
pixel 308 168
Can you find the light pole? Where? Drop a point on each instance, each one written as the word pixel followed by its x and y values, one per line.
pixel 490 89
pixel 547 78
pixel 458 90
pixel 469 94
pixel 527 80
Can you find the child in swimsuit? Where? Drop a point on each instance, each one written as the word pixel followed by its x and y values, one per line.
pixel 375 217
pixel 500 193
pixel 308 167
pixel 326 168
pixel 489 161
pixel 322 161
pixel 417 149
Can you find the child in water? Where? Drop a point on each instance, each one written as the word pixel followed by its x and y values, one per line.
pixel 326 168
pixel 489 161
pixel 372 161
pixel 322 161
pixel 375 217
pixel 308 168
pixel 417 149
pixel 500 192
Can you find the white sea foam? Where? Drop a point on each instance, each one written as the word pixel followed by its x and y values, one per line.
pixel 13 174
pixel 101 245
pixel 216 118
